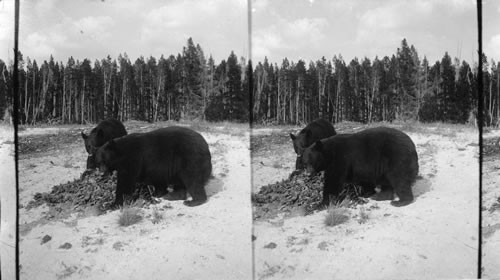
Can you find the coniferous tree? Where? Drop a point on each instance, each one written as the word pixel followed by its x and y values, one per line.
pixel 234 94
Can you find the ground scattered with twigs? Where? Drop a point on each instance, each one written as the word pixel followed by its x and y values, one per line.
pixel 491 205
pixel 92 189
pixel 434 237
pixel 297 194
pixel 68 232
pixel 491 148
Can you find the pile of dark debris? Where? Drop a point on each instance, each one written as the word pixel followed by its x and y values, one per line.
pixel 491 146
pixel 300 192
pixel 92 189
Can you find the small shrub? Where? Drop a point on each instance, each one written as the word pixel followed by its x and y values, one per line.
pixel 129 216
pixel 363 216
pixel 157 216
pixel 336 215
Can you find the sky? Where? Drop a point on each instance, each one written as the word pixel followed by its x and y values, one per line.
pixel 491 29
pixel 96 28
pixel 296 29
pixel 311 29
pixel 7 30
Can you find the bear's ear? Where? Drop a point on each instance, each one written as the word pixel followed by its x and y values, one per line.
pixel 84 136
pixel 318 145
pixel 293 136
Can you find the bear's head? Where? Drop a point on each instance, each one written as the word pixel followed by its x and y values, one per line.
pixel 107 156
pixel 314 159
pixel 300 143
pixel 93 140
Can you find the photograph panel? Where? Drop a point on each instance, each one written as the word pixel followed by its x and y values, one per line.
pixel 491 137
pixel 7 149
pixel 365 141
pixel 134 157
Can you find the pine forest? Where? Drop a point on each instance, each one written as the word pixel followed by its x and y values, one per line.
pixel 189 85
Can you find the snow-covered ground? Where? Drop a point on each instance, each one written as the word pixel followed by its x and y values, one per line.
pixel 8 203
pixel 491 213
pixel 211 241
pixel 434 237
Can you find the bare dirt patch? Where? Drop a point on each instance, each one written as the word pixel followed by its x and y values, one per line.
pixel 434 237
pixel 7 203
pixel 151 248
pixel 491 206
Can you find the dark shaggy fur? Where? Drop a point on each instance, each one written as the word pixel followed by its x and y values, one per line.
pixel 172 155
pixel 102 133
pixel 314 131
pixel 376 156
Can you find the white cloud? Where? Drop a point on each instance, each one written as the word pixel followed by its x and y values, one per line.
pixel 38 45
pixel 390 21
pixel 306 28
pixel 288 35
pixel 492 49
pixel 259 5
pixel 459 5
pixel 96 27
pixel 218 26
pixel 6 30
pixel 265 42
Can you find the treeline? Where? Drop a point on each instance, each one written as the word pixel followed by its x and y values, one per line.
pixel 190 86
pixel 400 87
pixel 491 92
pixel 185 86
pixel 6 89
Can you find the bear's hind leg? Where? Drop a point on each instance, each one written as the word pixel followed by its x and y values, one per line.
pixel 195 188
pixel 403 190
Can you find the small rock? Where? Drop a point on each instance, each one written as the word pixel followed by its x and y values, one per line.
pixel 271 245
pixel 66 246
pixel 323 246
pixel 118 246
pixel 46 239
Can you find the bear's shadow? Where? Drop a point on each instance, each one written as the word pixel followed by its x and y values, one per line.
pixel 421 186
pixel 213 186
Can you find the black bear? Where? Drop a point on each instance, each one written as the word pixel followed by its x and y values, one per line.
pixel 172 155
pixel 102 133
pixel 375 156
pixel 314 131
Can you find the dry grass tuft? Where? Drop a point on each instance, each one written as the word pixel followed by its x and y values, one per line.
pixel 363 216
pixel 129 216
pixel 336 214
pixel 157 216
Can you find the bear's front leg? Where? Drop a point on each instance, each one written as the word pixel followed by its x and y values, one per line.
pixel 331 188
pixel 124 187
